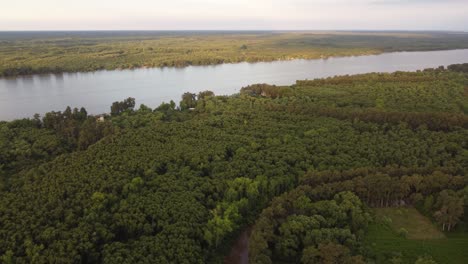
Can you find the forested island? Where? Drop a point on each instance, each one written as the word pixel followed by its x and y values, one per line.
pixel 25 53
pixel 369 168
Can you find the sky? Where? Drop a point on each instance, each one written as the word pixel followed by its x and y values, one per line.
pixel 234 15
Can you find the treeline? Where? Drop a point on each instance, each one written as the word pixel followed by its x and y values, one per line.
pixel 382 190
pixel 76 127
pixel 59 132
pixel 28 142
pixel 429 91
pixel 431 121
pixel 28 70
pixel 401 77
pixel 426 75
pixel 439 193
pixel 266 90
pixel 120 107
pixel 433 99
pixel 45 53
pixel 15 71
pixel 459 67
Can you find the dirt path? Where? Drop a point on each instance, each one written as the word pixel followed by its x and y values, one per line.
pixel 240 250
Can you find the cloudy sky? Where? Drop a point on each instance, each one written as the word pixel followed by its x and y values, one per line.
pixel 234 14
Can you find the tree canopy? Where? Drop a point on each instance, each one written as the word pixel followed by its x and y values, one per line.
pixel 171 185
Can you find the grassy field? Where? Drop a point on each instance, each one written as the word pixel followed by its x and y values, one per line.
pixel 417 225
pixel 423 238
pixel 34 52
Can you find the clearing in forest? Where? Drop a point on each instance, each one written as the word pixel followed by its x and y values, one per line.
pixel 417 225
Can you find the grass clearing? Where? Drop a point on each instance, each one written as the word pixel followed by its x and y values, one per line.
pixel 385 242
pixel 417 225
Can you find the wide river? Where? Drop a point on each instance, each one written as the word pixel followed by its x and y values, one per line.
pixel 24 96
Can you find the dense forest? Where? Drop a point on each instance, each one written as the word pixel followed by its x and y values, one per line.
pixel 24 53
pixel 309 167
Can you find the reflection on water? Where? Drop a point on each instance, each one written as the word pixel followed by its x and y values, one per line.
pixel 24 96
pixel 10 82
pixel 44 78
pixel 27 81
pixel 58 78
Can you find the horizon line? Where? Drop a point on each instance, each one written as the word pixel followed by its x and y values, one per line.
pixel 227 30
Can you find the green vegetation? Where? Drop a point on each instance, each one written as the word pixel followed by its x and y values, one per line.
pixel 304 163
pixel 55 52
pixel 416 225
pixel 385 244
pixel 384 187
pixel 29 142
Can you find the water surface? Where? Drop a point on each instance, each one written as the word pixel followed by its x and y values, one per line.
pixel 24 96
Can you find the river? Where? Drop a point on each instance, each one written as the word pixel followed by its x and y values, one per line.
pixel 24 96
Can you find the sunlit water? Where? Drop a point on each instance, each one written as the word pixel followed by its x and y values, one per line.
pixel 24 96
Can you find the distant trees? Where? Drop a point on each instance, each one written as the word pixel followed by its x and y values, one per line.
pixel 145 109
pixel 92 131
pixel 84 52
pixel 29 70
pixel 79 129
pixel 15 71
pixel 125 105
pixel 266 90
pixel 164 107
pixel 38 140
pixel 59 120
pixel 189 100
pixel 458 67
pixel 204 95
